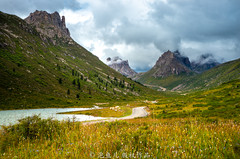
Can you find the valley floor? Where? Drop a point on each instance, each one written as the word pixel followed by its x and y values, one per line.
pixel 203 124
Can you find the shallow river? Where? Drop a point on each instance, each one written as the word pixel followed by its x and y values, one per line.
pixel 8 117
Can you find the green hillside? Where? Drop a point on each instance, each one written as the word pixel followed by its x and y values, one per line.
pixel 214 77
pixel 168 82
pixel 36 73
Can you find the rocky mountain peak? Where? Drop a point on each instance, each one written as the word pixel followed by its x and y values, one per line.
pixel 171 63
pixel 168 54
pixel 49 25
pixel 121 66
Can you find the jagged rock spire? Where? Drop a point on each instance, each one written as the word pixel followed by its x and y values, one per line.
pixel 49 25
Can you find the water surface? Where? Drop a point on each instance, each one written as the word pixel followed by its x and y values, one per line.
pixel 8 117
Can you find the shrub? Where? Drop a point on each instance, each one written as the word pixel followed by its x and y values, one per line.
pixel 211 108
pixel 29 128
pixel 199 105
pixel 34 127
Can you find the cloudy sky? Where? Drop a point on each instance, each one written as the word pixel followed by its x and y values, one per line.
pixel 141 30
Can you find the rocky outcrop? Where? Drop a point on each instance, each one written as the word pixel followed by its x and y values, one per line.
pixel 204 62
pixel 171 63
pixel 50 26
pixel 121 66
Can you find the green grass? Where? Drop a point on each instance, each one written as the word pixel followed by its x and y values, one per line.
pixel 221 102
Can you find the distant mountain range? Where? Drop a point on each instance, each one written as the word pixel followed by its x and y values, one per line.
pixel 42 66
pixel 175 72
pixel 170 63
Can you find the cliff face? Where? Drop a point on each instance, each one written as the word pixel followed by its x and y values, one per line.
pixel 50 26
pixel 171 63
pixel 121 66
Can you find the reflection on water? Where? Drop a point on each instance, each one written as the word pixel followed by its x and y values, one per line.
pixel 8 117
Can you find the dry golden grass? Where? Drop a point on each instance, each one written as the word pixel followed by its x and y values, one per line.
pixel 105 112
pixel 139 138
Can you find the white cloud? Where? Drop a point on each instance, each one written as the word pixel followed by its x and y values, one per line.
pixel 223 50
pixel 79 16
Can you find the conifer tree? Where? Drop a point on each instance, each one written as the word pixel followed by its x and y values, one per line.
pixel 60 80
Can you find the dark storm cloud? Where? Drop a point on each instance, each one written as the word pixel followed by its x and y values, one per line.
pixel 199 20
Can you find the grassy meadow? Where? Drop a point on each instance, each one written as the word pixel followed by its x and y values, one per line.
pixel 138 138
